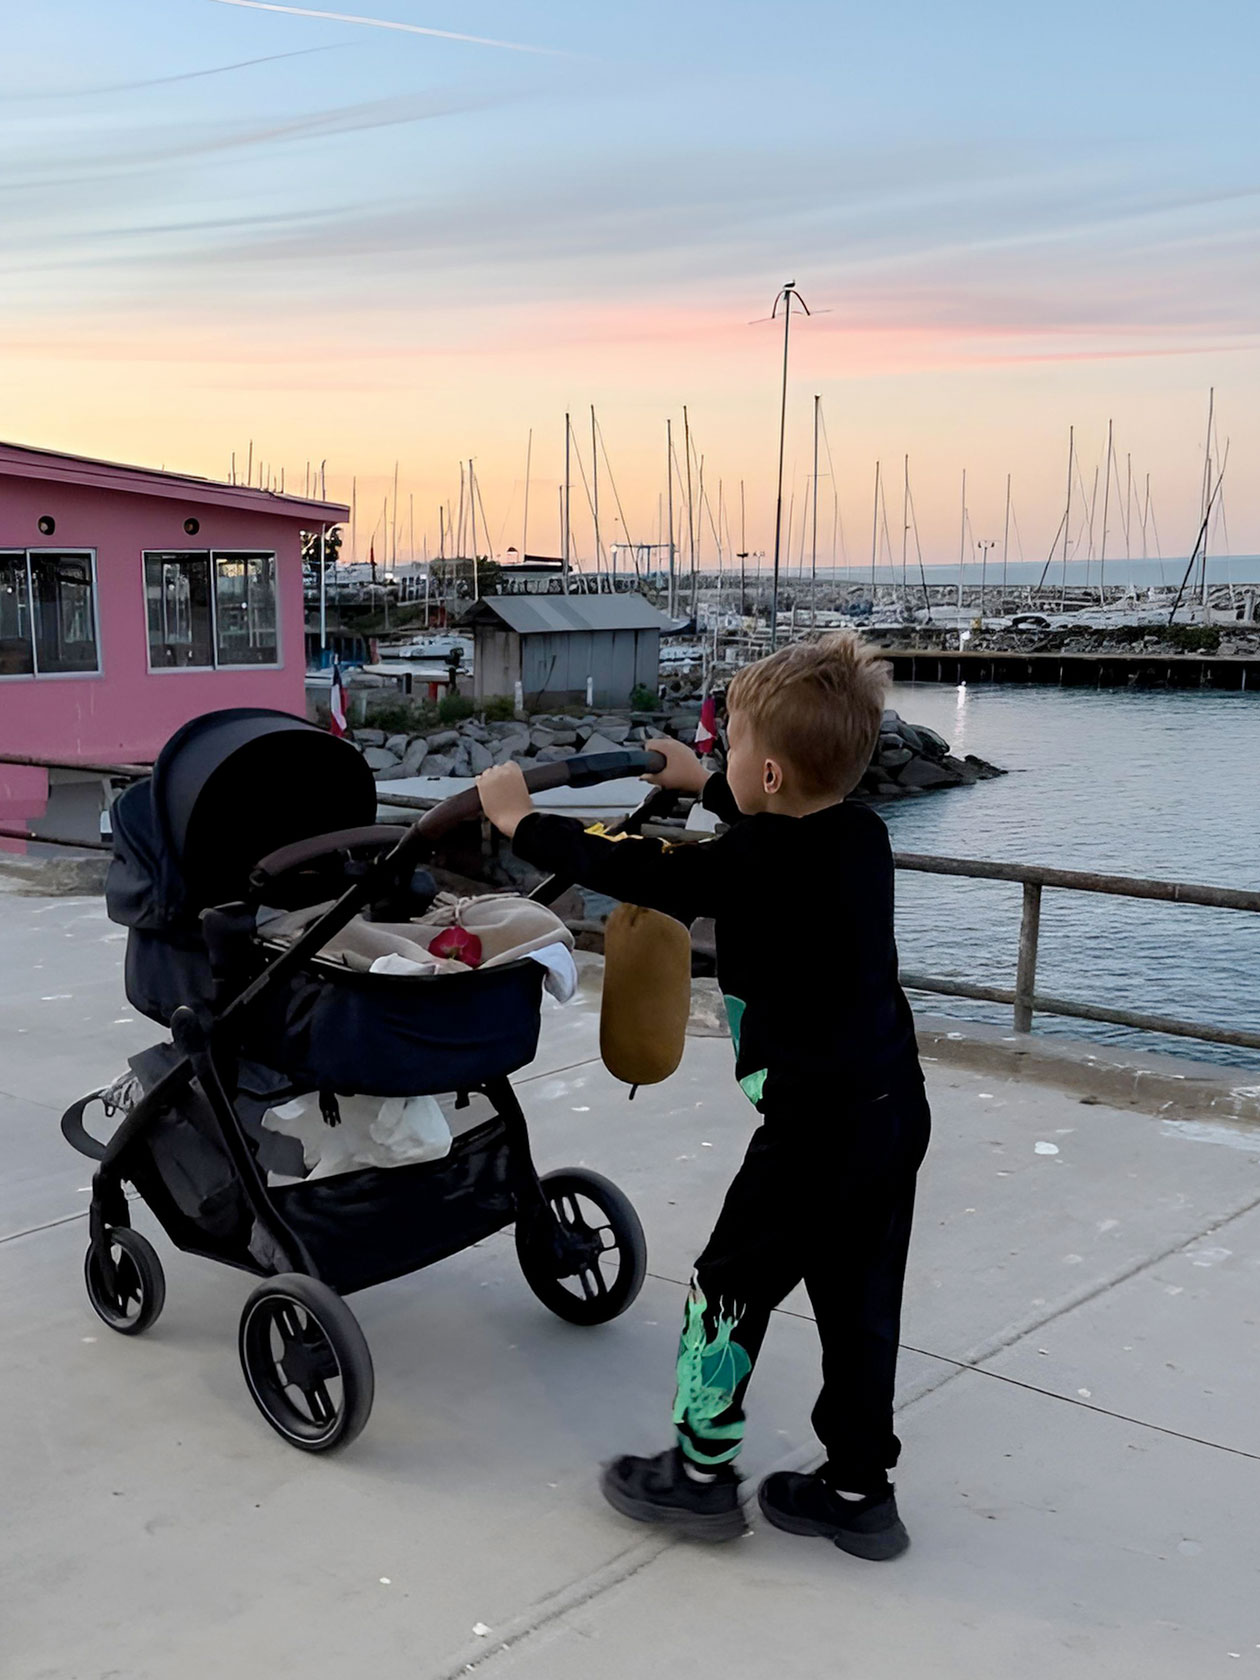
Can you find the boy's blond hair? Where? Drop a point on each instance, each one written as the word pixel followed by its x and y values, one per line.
pixel 818 706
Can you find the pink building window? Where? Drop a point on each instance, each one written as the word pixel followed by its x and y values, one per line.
pixel 208 609
pixel 48 613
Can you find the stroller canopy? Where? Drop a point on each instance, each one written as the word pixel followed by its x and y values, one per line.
pixel 227 789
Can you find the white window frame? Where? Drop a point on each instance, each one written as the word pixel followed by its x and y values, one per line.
pixel 217 554
pixel 211 555
pixel 36 675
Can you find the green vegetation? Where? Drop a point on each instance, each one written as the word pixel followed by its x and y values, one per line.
pixel 498 708
pixel 644 699
pixel 454 708
pixel 404 717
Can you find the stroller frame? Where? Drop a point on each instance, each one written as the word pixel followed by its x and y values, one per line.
pixel 302 1352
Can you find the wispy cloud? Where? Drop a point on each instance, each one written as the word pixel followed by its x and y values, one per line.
pixel 167 81
pixel 389 23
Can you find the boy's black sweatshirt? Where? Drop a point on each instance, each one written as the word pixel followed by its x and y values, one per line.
pixel 803 910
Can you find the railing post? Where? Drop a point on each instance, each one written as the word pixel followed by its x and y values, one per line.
pixel 1026 973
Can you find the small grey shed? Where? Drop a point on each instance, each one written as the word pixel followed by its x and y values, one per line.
pixel 553 645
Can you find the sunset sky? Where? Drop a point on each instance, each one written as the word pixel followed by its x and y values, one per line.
pixel 224 222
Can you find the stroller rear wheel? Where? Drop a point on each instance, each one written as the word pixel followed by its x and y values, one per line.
pixel 306 1362
pixel 136 1294
pixel 588 1260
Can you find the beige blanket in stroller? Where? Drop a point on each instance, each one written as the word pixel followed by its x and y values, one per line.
pixel 507 925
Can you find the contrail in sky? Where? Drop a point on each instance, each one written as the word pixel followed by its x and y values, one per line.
pixel 386 23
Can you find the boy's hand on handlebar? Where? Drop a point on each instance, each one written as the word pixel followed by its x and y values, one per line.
pixel 504 797
pixel 683 771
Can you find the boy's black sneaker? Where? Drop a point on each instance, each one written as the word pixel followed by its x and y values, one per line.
pixel 659 1490
pixel 800 1504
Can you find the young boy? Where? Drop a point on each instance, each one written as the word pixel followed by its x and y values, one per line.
pixel 801 889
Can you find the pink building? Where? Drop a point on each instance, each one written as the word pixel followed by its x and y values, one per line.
pixel 130 601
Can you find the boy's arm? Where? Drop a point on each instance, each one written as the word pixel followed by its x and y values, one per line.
pixel 684 879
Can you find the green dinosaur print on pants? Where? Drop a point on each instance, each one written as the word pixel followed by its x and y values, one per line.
pixel 752 1084
pixel 710 1370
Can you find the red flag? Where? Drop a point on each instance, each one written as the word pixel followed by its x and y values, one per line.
pixel 706 729
pixel 337 702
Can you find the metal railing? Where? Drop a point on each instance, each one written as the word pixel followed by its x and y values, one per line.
pixel 1024 998
pixel 115 772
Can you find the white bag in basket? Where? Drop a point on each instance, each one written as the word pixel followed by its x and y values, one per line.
pixel 398 1132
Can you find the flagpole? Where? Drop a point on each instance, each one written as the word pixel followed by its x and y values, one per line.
pixel 323 592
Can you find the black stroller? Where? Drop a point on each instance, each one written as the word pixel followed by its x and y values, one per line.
pixel 233 819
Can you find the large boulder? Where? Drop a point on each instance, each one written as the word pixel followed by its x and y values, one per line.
pixel 560 736
pixel 936 746
pixel 512 746
pixel 377 758
pixel 479 758
pixel 926 773
pixel 600 744
pixel 502 728
pixel 475 731
pixel 438 764
pixel 612 728
pixel 415 755
pixel 397 744
pixel 370 737
pixel 442 739
pixel 892 757
pixel 552 755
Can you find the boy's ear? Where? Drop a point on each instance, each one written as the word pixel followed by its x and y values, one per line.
pixel 772 776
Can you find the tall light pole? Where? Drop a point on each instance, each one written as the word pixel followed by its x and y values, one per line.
pixel 786 298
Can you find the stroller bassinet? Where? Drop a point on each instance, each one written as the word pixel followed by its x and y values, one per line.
pixel 235 818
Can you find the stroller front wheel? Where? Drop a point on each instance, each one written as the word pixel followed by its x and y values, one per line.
pixel 131 1299
pixel 584 1254
pixel 306 1362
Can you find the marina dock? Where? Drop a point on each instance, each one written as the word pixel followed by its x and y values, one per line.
pixel 1076 670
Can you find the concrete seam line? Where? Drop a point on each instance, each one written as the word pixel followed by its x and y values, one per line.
pixel 48 1225
pixel 33 1102
pixel 1007 1339
pixel 554 1073
pixel 557 1605
pixel 1074 1400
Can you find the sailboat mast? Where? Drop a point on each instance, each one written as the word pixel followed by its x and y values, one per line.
pixel 1067 515
pixel 691 517
pixel 529 453
pixel 595 491
pixel 564 511
pixel 393 542
pixel 1006 538
pixel 1102 553
pixel 874 532
pixel 905 523
pixel 472 506
pixel 813 538
pixel 962 542
pixel 1207 501
pixel 743 552
pixel 669 481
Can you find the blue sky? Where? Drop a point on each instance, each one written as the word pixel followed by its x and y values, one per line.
pixel 1010 214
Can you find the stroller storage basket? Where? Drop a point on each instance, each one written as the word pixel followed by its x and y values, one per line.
pixel 362 1228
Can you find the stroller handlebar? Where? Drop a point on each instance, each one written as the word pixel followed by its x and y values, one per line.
pixel 583 770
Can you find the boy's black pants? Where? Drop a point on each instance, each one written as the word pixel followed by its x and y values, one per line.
pixel 825 1196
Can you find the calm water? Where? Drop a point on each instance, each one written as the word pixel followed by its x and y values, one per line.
pixel 1158 784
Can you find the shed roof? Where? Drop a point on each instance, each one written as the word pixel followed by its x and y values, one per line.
pixel 20 460
pixel 550 615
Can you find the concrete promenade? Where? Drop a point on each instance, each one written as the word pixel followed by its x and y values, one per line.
pixel 1081 1471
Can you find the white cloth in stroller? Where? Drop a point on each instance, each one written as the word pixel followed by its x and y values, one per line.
pixel 396 1132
